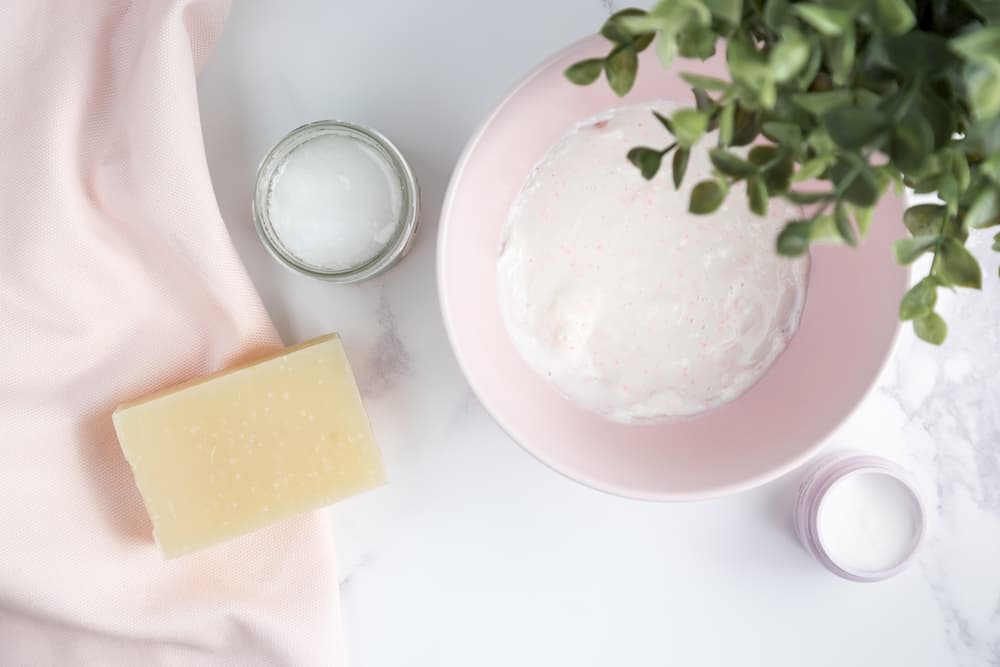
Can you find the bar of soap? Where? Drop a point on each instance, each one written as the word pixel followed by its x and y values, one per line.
pixel 227 454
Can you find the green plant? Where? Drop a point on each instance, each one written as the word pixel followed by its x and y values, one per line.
pixel 861 95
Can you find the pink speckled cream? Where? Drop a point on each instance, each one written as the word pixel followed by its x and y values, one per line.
pixel 634 307
pixel 845 334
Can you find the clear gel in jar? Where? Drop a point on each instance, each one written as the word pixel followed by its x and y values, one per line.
pixel 336 201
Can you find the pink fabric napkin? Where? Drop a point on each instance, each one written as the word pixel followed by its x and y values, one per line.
pixel 117 278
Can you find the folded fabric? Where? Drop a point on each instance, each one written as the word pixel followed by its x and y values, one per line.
pixel 117 278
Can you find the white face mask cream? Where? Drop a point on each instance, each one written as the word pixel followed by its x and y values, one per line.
pixel 860 517
pixel 632 306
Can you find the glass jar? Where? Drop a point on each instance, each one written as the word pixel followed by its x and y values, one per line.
pixel 272 167
pixel 904 506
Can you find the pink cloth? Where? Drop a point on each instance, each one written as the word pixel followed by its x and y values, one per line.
pixel 117 277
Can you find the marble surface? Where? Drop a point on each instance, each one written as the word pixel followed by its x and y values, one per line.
pixel 476 554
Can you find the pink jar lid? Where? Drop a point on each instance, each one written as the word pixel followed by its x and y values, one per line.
pixel 860 516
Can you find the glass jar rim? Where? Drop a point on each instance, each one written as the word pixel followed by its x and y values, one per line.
pixel 823 475
pixel 406 225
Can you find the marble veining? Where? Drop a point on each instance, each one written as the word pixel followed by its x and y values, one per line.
pixel 388 359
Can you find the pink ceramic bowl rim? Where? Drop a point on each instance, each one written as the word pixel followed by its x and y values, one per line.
pixel 541 422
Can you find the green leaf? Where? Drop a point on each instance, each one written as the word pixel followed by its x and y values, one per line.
pixel 960 171
pixel 642 41
pixel 776 13
pixel 779 176
pixel 823 229
pixel 853 7
pixel 987 9
pixel 984 137
pixel 647 160
pixel 991 167
pixel 808 74
pixel 981 44
pixel 731 164
pixel 789 55
pixel 996 242
pixel 940 115
pixel 746 126
pixel 621 67
pixel 821 102
pixel 618 31
pixel 726 121
pixel 585 72
pixel 854 127
pixel 843 222
pixel 918 53
pixel 729 11
pixel 812 169
pixel 689 126
pixel 794 239
pixel 956 265
pixel 787 134
pixel 757 195
pixel 908 250
pixel 948 192
pixel 954 227
pixel 883 177
pixel 681 13
pixel 855 181
pixel 985 211
pixel 806 198
pixel 695 42
pixel 706 197
pixel 865 190
pixel 705 82
pixel 866 98
pixel 931 328
pixel 982 79
pixel 919 300
pixel 767 94
pixel 912 142
pixel 924 219
pixel 863 218
pixel 703 102
pixel 894 16
pixel 664 121
pixel 666 50
pixel 615 32
pixel 821 143
pixel 827 21
pixel 841 54
pixel 761 155
pixel 745 61
pixel 642 23
pixel 681 157
pixel 924 185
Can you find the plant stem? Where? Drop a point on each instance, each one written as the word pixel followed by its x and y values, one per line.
pixel 944 221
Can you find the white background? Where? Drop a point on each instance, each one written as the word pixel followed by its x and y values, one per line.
pixel 476 554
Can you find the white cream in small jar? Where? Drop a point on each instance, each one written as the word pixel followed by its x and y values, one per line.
pixel 860 516
pixel 336 201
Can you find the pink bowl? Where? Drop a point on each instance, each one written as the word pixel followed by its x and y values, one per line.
pixel 845 335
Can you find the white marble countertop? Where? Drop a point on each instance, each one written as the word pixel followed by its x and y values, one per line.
pixel 476 554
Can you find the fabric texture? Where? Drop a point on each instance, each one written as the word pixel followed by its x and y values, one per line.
pixel 117 278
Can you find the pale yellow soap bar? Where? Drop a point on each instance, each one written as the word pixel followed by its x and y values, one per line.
pixel 224 455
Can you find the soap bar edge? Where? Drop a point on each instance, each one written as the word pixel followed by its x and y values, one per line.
pixel 229 370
